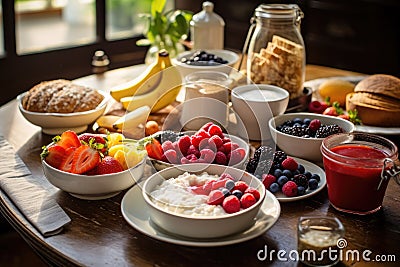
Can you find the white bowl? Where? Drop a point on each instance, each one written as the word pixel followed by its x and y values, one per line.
pixel 254 105
pixel 300 147
pixel 94 187
pixel 202 227
pixel 160 165
pixel 186 69
pixel 57 123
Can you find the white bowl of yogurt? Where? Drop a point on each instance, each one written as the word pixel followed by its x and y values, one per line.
pixel 254 105
pixel 178 210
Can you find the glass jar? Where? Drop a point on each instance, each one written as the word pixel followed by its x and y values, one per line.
pixel 358 167
pixel 275 48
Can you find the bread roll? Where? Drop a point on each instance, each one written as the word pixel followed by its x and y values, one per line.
pixel 61 96
pixel 377 100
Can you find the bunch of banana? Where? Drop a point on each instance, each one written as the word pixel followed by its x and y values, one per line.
pixel 157 87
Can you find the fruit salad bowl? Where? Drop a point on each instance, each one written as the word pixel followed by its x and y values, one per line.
pixel 202 219
pixel 307 148
pixel 237 161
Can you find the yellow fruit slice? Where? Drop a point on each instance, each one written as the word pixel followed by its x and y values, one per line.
pixel 112 151
pixel 115 139
pixel 121 158
pixel 336 90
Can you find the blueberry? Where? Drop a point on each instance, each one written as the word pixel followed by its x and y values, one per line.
pixel 301 168
pixel 297 125
pixel 237 193
pixel 313 184
pixel 307 174
pixel 298 120
pixel 274 187
pixel 287 173
pixel 229 185
pixel 225 191
pixel 301 190
pixel 306 121
pixel 282 180
pixel 316 177
pixel 277 173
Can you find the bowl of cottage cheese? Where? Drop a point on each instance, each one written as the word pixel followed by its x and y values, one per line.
pixel 203 200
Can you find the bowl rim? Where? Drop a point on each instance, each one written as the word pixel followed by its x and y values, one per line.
pixel 272 124
pixel 96 176
pixel 235 58
pixel 247 87
pixel 99 107
pixel 148 200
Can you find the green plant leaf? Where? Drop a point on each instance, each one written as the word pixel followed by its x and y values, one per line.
pixel 157 6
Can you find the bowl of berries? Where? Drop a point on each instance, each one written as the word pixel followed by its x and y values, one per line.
pixel 206 60
pixel 207 145
pixel 301 134
pixel 92 166
pixel 204 200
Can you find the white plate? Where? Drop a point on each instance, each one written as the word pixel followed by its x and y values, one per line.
pixel 134 211
pixel 314 84
pixel 311 167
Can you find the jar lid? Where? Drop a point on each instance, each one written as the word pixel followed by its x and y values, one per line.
pixel 279 11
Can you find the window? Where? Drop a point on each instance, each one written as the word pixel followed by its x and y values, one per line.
pixel 50 39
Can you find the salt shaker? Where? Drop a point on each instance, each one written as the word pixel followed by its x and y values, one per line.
pixel 207 29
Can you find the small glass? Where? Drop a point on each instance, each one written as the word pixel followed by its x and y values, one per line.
pixel 358 167
pixel 319 240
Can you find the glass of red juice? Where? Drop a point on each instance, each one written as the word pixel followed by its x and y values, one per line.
pixel 354 164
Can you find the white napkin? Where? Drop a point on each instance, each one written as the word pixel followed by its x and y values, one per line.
pixel 33 201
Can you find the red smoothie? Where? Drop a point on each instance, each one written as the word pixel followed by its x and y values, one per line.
pixel 352 184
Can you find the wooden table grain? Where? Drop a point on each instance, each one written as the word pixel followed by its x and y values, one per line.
pixel 99 236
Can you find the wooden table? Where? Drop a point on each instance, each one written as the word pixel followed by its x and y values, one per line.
pixel 99 236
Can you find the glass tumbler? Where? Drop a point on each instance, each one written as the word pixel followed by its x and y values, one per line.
pixel 319 240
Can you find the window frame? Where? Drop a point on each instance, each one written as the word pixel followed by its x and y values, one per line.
pixel 18 73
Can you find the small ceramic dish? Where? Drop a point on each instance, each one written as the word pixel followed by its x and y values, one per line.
pixel 212 226
pixel 57 123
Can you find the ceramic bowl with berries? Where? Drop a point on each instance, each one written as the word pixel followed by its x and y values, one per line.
pixel 206 60
pixel 207 145
pixel 92 166
pixel 204 200
pixel 301 134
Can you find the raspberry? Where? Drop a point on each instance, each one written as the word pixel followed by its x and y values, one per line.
pixel 184 143
pixel 203 134
pixel 204 144
pixel 193 151
pixel 268 179
pixel 196 139
pixel 231 204
pixel 184 160
pixel 229 146
pixel 220 158
pixel 290 164
pixel 314 125
pixel 167 145
pixel 215 197
pixel 207 155
pixel 207 126
pixel 215 141
pixel 240 185
pixel 172 156
pixel 254 192
pixel 237 156
pixel 215 130
pixel 226 139
pixel 247 200
pixel 289 189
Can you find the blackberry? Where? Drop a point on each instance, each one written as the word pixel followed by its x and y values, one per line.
pixel 251 165
pixel 279 156
pixel 167 135
pixel 262 168
pixel 296 130
pixel 263 153
pixel 327 130
pixel 301 180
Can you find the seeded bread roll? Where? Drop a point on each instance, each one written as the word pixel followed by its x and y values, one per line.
pixel 61 96
pixel 377 100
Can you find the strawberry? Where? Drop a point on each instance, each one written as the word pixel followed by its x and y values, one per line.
pixel 66 164
pixel 231 204
pixel 247 200
pixel 290 164
pixel 97 141
pixel 216 197
pixel 335 110
pixel 84 159
pixel 154 149
pixel 53 155
pixel 108 165
pixel 67 139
